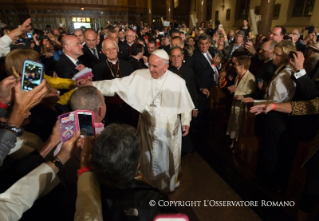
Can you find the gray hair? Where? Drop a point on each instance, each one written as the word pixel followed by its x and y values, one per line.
pixel 176 47
pixel 113 32
pixel 272 44
pixel 116 45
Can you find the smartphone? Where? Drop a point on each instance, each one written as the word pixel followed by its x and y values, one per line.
pixel 29 35
pixel 161 33
pixel 68 126
pixel 171 217
pixel 145 37
pixel 158 44
pixel 86 122
pixel 32 74
pixel 220 26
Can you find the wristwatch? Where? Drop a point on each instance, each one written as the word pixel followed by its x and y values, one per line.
pixel 18 131
pixel 57 163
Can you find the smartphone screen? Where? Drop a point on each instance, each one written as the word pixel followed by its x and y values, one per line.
pixel 31 75
pixel 29 35
pixel 85 123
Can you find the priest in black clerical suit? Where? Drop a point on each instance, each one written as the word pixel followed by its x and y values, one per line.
pixel 117 110
pixel 92 57
pixel 176 66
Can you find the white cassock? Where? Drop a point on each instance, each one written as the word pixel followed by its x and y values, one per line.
pixel 159 127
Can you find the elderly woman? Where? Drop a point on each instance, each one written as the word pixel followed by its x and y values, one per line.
pixel 244 84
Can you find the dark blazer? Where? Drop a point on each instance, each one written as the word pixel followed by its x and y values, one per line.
pixel 124 52
pixel 300 47
pixel 202 68
pixel 231 46
pixel 103 72
pixel 65 68
pixel 188 75
pixel 122 42
pixel 89 60
pixel 265 72
pixel 137 64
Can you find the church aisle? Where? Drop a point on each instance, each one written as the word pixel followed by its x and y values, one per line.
pixel 199 182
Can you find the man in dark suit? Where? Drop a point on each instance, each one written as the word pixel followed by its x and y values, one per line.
pixel 126 49
pixel 136 58
pixel 204 66
pixel 177 42
pixel 122 40
pixel 79 34
pixel 69 64
pixel 193 86
pixel 151 46
pixel 92 51
pixel 112 67
pixel 295 39
pixel 238 44
pixel 173 33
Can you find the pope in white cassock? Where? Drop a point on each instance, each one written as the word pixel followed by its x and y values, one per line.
pixel 165 108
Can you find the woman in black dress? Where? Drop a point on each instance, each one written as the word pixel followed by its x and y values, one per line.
pixel 245 28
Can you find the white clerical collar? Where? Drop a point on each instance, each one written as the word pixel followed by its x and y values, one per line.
pixel 130 44
pixel 113 62
pixel 73 60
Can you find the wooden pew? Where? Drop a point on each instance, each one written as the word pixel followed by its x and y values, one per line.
pixel 248 143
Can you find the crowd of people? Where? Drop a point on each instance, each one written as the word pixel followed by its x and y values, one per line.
pixel 150 88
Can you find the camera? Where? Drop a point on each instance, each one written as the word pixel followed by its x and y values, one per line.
pixel 310 29
pixel 20 40
pixel 41 37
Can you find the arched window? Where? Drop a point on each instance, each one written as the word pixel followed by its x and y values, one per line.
pixel 303 8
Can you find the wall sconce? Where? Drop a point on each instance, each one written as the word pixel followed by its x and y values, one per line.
pixel 223 5
pixel 82 9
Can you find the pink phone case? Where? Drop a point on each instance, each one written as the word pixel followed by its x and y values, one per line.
pixel 68 126
pixel 171 217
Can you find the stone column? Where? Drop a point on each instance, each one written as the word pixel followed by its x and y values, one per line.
pixel 169 10
pixel 201 11
pixel 149 12
pixel 266 13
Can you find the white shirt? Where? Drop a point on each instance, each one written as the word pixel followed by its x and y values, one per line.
pixel 282 88
pixel 5 42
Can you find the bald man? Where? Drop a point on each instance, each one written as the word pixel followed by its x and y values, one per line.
pixel 92 51
pixel 69 63
pixel 165 108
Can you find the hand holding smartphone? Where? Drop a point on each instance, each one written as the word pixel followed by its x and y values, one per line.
pixel 80 120
pixel 32 75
